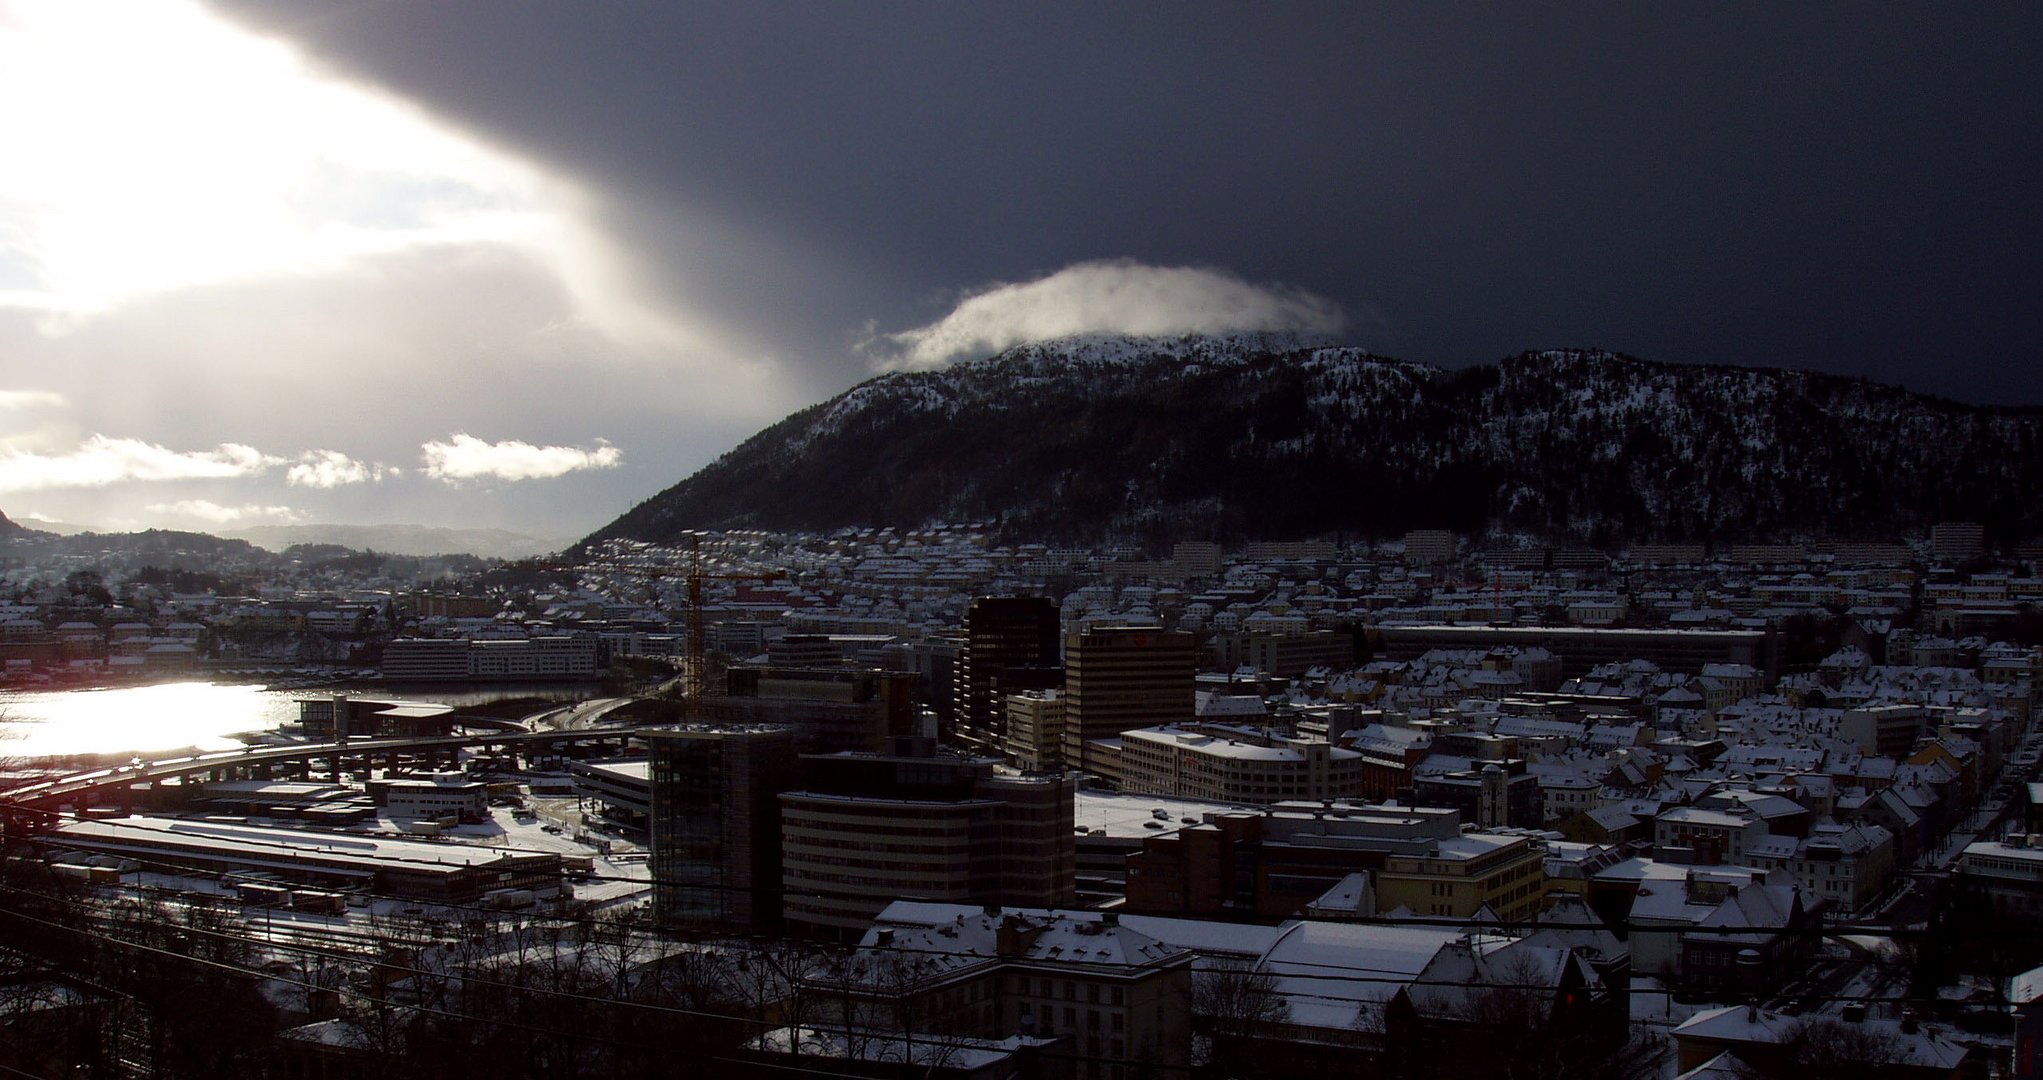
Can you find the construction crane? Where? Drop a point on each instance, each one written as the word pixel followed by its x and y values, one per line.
pixel 695 678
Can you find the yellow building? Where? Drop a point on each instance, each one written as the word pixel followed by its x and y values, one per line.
pixel 1460 875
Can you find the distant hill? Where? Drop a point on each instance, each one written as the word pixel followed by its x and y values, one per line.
pixel 404 539
pixel 1147 440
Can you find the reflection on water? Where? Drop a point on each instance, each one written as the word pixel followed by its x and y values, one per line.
pixel 171 716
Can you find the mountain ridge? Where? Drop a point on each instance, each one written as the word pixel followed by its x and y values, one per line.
pixel 1148 440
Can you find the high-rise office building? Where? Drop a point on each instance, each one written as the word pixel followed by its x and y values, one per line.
pixel 1117 678
pixel 716 823
pixel 1011 644
pixel 868 829
pixel 830 709
pixel 1035 730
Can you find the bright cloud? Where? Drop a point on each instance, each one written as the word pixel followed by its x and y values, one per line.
pixel 331 469
pixel 154 146
pixel 24 400
pixel 1113 297
pixel 465 457
pixel 102 461
pixel 213 513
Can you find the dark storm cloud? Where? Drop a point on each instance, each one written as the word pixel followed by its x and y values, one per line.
pixel 1845 187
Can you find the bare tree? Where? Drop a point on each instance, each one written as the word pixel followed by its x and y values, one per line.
pixel 1235 1010
pixel 1823 1048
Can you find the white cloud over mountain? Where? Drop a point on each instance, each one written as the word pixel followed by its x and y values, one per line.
pixel 1110 296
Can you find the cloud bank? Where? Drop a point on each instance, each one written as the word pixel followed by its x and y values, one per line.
pixel 465 457
pixel 1110 296
pixel 102 461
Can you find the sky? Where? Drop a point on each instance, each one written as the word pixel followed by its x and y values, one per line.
pixel 522 264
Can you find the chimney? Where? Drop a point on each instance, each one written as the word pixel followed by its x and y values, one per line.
pixel 1015 936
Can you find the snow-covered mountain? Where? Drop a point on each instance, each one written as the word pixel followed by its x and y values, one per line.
pixel 1148 440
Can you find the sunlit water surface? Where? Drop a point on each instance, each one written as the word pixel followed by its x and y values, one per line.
pixel 166 716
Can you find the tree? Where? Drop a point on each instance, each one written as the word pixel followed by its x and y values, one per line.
pixel 1517 1020
pixel 1234 1010
pixel 1821 1048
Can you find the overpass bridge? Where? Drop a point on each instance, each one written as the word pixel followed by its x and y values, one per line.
pixel 37 804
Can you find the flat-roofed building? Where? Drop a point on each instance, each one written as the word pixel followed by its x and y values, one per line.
pixel 828 709
pixel 2008 876
pixel 1698 836
pixel 438 796
pixel 1427 547
pixel 624 787
pixel 1122 677
pixel 1956 541
pixel 1495 793
pixel 556 656
pixel 426 660
pixel 323 716
pixel 1274 862
pixel 1884 730
pixel 1011 643
pixel 1230 764
pixel 453 873
pixel 1505 873
pixel 1035 730
pixel 867 829
pixel 715 823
